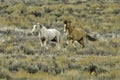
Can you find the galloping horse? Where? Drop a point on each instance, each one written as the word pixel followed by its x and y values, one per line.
pixel 46 35
pixel 76 34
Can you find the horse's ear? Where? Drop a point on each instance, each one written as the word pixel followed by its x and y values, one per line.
pixel 34 23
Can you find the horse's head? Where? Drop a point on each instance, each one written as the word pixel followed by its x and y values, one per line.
pixel 67 23
pixel 36 28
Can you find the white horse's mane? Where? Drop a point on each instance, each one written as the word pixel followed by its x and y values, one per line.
pixel 43 30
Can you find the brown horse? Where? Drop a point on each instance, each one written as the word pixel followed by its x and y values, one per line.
pixel 76 34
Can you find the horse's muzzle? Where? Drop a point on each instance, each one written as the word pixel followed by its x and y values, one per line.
pixel 33 32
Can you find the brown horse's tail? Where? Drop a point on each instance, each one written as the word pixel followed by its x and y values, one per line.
pixel 91 38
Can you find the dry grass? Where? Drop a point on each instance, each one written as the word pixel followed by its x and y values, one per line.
pixel 23 59
pixel 99 17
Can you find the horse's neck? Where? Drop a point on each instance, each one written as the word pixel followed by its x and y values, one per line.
pixel 43 31
pixel 70 29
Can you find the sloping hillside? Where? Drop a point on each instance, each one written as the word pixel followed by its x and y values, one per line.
pixel 22 58
pixel 92 15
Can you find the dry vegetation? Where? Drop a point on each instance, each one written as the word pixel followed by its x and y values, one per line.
pixel 21 57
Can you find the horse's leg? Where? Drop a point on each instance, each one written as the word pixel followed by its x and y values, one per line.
pixel 85 41
pixel 81 41
pixel 58 42
pixel 73 43
pixel 41 42
pixel 45 42
pixel 69 41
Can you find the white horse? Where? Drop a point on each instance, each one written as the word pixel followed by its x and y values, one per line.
pixel 46 35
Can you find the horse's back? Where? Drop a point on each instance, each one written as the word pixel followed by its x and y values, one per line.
pixel 78 33
pixel 54 31
pixel 81 31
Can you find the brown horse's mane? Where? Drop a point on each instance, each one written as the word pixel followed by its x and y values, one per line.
pixel 69 25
